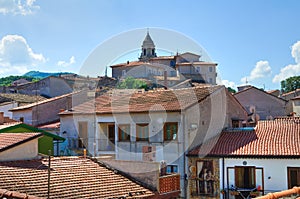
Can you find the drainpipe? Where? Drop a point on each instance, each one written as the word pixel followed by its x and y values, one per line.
pixel 223 176
pixel 184 158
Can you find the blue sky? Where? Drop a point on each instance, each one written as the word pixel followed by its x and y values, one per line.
pixel 257 40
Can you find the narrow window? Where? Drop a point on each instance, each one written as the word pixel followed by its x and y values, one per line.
pixel 170 131
pixel 142 132
pixel 235 123
pixel 82 134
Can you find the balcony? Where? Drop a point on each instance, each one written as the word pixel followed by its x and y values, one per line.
pixel 169 183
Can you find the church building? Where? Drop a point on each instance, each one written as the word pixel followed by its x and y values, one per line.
pixel 172 69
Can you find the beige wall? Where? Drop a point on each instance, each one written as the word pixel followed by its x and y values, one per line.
pixel 296 106
pixel 26 151
pixel 265 104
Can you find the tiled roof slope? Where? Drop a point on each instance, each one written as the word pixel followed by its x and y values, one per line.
pixel 42 102
pixel 159 100
pixel 273 139
pixel 9 140
pixel 71 177
pixel 21 98
pixel 15 195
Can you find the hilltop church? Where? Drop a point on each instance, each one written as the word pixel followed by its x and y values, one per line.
pixel 171 69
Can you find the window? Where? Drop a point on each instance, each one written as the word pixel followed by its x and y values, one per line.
pixel 22 119
pixel 124 132
pixel 206 178
pixel 210 80
pixel 82 135
pixel 142 132
pixel 235 123
pixel 210 69
pixel 170 131
pixel 293 177
pixel 123 72
pixel 296 103
pixel 172 169
pixel 245 177
pixel 198 69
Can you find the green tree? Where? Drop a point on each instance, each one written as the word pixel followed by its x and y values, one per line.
pixel 7 81
pixel 231 90
pixel 290 84
pixel 132 83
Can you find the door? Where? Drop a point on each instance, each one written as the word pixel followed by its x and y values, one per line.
pixel 111 135
pixel 245 177
pixel 293 177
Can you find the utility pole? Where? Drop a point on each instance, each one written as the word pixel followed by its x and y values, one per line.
pixel 49 169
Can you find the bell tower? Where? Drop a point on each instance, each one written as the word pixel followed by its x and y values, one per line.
pixel 148 48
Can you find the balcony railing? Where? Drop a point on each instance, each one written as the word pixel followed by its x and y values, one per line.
pixel 105 145
pixel 169 183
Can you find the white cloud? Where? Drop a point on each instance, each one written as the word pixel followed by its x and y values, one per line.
pixel 290 70
pixel 16 7
pixel 228 83
pixel 286 72
pixel 65 64
pixel 16 55
pixel 262 69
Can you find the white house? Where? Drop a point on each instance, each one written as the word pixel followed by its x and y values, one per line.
pixel 265 158
pixel 154 126
pixel 18 146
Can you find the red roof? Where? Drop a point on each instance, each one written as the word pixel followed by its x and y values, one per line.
pixel 28 106
pixel 70 177
pixel 132 63
pixel 53 125
pixel 159 100
pixel 195 63
pixel 10 140
pixel 276 138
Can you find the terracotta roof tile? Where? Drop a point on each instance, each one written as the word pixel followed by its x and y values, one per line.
pixel 132 63
pixel 15 195
pixel 9 140
pixel 22 99
pixel 8 124
pixel 42 102
pixel 195 63
pixel 160 100
pixel 276 138
pixel 71 177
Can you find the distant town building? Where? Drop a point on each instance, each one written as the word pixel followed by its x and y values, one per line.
pixel 164 68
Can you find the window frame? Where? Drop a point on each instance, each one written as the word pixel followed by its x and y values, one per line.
pixel 145 136
pixel 172 133
pixel 289 169
pixel 124 136
pixel 171 168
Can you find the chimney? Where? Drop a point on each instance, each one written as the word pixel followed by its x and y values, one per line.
pixel 84 153
pixel 1 118
pixel 166 79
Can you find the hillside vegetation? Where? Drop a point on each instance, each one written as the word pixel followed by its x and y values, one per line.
pixel 7 81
